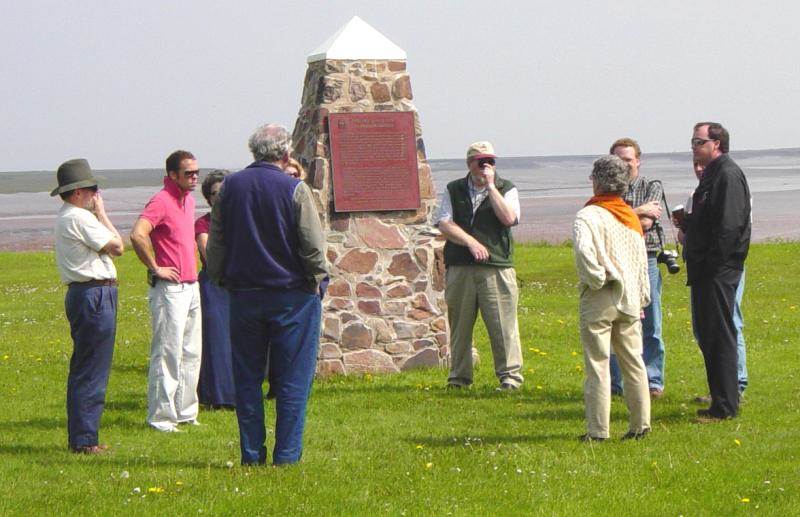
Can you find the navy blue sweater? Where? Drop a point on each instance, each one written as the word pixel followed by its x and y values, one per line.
pixel 260 231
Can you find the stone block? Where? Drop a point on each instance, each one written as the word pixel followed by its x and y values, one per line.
pixel 331 328
pixel 419 344
pixel 347 317
pixel 421 254
pixel 375 234
pixel 331 255
pixel 399 291
pixel 419 314
pixel 401 89
pixel 439 324
pixel 398 347
pixel 369 361
pixel 340 222
pixel 438 269
pixel 357 90
pixel 356 335
pixel 421 301
pixel 339 304
pixel 365 290
pixel 403 265
pixel 339 287
pixel 420 286
pixel 327 368
pixel 329 351
pixel 426 188
pixel 369 306
pixel 380 92
pixel 397 66
pixel 357 261
pixel 424 358
pixel 406 330
pixel 395 308
pixel 383 333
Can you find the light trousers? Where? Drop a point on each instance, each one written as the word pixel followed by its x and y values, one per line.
pixel 604 328
pixel 494 291
pixel 174 354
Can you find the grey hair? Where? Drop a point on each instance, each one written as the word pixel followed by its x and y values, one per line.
pixel 611 175
pixel 270 143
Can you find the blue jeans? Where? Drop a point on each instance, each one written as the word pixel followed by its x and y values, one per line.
pixel 652 342
pixel 92 314
pixel 738 322
pixel 283 324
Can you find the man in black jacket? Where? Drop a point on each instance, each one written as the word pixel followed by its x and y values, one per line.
pixel 717 241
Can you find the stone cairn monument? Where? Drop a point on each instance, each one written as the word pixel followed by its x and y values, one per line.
pixel 384 310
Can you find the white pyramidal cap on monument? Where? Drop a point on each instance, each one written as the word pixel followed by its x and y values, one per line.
pixel 357 40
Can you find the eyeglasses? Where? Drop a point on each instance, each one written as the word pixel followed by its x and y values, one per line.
pixel 191 174
pixel 697 142
pixel 486 161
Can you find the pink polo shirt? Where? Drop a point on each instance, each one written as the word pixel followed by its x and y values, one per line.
pixel 171 212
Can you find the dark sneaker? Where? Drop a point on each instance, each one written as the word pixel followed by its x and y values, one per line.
pixel 616 392
pixel 587 438
pixel 631 435
pixel 90 449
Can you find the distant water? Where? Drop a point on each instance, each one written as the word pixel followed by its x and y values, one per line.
pixel 552 189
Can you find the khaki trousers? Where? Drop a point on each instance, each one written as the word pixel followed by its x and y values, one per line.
pixel 494 291
pixel 603 327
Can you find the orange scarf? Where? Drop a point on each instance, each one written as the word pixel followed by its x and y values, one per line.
pixel 619 209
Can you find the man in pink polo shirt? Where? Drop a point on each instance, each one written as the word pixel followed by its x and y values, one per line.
pixel 163 238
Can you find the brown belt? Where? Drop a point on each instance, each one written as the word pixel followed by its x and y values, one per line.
pixel 95 283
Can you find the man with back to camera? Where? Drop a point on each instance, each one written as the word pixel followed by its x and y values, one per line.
pixel 716 244
pixel 85 243
pixel 163 238
pixel 267 248
pixel 645 198
pixel 476 214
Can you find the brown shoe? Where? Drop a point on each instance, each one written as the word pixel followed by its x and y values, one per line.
pixel 656 393
pixel 90 449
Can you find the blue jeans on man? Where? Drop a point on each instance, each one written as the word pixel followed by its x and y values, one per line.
pixel 652 343
pixel 284 324
pixel 92 314
pixel 738 322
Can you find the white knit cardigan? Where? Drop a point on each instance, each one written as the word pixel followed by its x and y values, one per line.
pixel 608 252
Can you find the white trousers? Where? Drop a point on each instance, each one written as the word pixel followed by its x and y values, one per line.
pixel 174 354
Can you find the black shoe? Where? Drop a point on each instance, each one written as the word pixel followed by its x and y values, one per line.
pixel 616 392
pixel 587 438
pixel 454 386
pixel 631 435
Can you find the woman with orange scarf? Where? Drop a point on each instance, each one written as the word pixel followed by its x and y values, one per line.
pixel 611 260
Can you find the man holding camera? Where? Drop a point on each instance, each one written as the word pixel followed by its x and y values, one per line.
pixel 717 242
pixel 476 214
pixel 163 238
pixel 645 198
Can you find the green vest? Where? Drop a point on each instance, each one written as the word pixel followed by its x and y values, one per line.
pixel 486 228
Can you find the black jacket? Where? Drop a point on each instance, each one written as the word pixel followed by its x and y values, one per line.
pixel 718 232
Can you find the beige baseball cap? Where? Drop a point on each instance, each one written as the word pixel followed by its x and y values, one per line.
pixel 480 150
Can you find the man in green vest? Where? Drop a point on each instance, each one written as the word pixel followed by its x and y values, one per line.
pixel 476 214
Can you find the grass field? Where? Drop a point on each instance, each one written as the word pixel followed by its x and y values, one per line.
pixel 402 445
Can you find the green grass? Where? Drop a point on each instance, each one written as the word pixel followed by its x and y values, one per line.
pixel 401 444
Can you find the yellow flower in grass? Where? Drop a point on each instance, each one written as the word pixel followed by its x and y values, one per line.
pixel 179 483
pixel 736 441
pixel 155 490
pixel 420 446
pixel 538 387
pixel 429 465
pixel 745 500
pixel 574 353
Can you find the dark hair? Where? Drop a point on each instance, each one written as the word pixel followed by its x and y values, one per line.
pixel 174 160
pixel 626 142
pixel 213 177
pixel 717 132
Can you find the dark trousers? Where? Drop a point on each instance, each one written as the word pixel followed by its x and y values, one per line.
pixel 92 315
pixel 283 324
pixel 712 314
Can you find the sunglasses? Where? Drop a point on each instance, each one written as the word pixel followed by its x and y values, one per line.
pixel 697 142
pixel 486 161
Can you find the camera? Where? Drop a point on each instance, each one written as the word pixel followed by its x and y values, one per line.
pixel 669 259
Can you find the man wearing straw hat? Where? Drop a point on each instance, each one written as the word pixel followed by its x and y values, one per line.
pixel 85 242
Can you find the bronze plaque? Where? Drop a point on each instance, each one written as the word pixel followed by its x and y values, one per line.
pixel 374 160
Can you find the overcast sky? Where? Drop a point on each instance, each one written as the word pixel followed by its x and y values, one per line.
pixel 124 83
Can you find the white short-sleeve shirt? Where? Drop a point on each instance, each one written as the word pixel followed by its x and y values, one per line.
pixel 445 211
pixel 79 238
